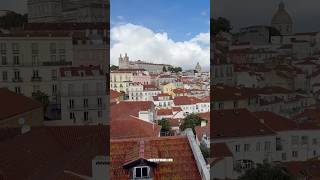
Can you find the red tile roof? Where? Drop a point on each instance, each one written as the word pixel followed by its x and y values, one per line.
pixel 12 104
pixel 115 94
pixel 219 150
pixel 185 100
pixel 176 147
pixel 46 152
pixel 237 123
pixel 303 169
pixel 202 130
pixel 276 122
pixel 127 108
pixel 132 127
pixel 164 112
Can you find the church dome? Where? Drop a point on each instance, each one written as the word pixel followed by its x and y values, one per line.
pixel 281 16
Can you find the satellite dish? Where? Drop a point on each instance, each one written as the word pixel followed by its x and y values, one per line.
pixel 21 121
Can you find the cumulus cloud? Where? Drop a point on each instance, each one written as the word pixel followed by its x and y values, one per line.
pixel 144 44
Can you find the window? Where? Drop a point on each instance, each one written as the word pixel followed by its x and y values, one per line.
pixel 16 60
pixel 258 146
pixel 34 48
pixel 15 48
pixel 4 60
pixel 294 140
pixel 72 117
pixel 294 154
pixel 267 146
pixel 85 102
pixel 221 105
pixel 99 114
pixel 278 144
pixel 71 103
pixel 314 141
pixel 246 147
pixel 17 75
pixel 284 156
pixel 54 74
pixel 4 75
pixel 53 48
pixel 35 73
pixel 237 148
pixel 304 140
pixel 85 116
pixel 17 90
pixel 36 88
pixel 53 58
pixel 54 89
pixel 35 60
pixel 141 172
pixel 3 48
pixel 235 104
pixel 99 102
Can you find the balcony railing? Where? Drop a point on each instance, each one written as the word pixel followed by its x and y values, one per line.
pixel 57 63
pixel 87 107
pixel 17 79
pixel 81 93
pixel 34 79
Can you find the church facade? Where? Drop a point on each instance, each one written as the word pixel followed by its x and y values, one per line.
pixel 125 63
pixel 282 21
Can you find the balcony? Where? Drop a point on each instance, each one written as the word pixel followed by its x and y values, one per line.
pixel 83 94
pixel 57 63
pixel 36 79
pixel 87 107
pixel 18 79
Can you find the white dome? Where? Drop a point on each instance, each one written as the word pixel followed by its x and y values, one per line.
pixel 281 16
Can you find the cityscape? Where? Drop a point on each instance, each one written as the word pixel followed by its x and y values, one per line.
pixel 265 99
pixel 159 90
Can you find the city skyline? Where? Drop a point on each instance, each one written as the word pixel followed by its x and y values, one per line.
pixel 152 35
pixel 240 14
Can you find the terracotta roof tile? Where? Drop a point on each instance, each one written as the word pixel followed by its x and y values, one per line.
pixel 176 147
pixel 12 104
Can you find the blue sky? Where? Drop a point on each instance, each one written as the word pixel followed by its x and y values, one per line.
pixel 181 19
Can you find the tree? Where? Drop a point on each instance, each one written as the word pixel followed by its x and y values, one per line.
pixel 205 151
pixel 164 69
pixel 220 25
pixel 191 121
pixel 43 98
pixel 165 126
pixel 266 171
pixel 13 20
pixel 114 67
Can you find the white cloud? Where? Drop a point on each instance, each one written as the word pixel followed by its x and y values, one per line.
pixel 143 43
pixel 204 13
pixel 120 17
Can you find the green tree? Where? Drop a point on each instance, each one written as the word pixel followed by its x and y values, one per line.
pixel 191 121
pixel 205 151
pixel 165 126
pixel 266 171
pixel 43 98
pixel 164 69
pixel 220 25
pixel 114 67
pixel 13 20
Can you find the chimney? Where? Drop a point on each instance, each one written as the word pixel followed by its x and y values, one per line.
pixel 25 128
pixel 100 168
pixel 203 123
pixel 261 121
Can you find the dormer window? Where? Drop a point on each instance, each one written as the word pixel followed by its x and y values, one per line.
pixel 141 172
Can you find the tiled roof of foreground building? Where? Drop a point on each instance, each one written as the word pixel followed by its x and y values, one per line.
pixel 51 152
pixel 177 147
